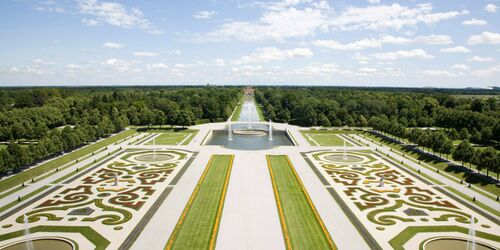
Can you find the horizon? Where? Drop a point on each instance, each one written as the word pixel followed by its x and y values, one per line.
pixel 112 85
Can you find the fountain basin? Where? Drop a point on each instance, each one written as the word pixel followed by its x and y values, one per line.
pixel 249 141
pixel 249 132
pixel 348 158
pixel 453 243
pixel 41 243
pixel 153 157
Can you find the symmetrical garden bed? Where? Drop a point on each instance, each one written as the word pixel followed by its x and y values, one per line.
pixel 111 198
pixel 387 200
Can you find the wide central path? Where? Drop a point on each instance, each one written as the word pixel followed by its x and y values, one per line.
pixel 250 217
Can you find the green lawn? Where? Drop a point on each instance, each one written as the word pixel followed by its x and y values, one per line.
pixel 174 138
pixel 259 112
pixel 325 137
pixel 301 224
pixel 51 165
pixel 442 166
pixel 237 112
pixel 25 197
pixel 199 223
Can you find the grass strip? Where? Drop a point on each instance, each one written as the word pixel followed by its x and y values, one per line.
pixel 325 139
pixel 2 209
pixel 237 110
pixel 198 225
pixel 477 203
pixel 190 138
pixel 11 191
pixel 292 138
pixel 301 224
pixel 83 168
pixel 172 137
pixel 259 112
pixel 60 161
pixel 168 139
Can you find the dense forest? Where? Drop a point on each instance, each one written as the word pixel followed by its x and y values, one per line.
pixel 430 119
pixel 38 123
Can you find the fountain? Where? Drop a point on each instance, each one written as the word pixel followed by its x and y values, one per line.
pixel 248 133
pixel 29 244
pixel 270 130
pixel 249 116
pixel 472 232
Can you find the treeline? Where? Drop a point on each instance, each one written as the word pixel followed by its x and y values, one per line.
pixel 42 122
pixel 327 107
pixel 398 113
pixel 441 142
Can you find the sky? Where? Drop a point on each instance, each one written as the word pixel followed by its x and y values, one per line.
pixel 452 43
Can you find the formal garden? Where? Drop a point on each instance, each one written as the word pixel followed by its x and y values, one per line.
pixel 392 204
pixel 103 207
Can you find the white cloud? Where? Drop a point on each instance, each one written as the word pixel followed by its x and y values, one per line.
pixel 145 54
pixel 317 70
pixel 156 66
pixel 480 59
pixel 460 67
pixel 285 4
pixel 434 39
pixel 90 22
pixel 288 19
pixel 373 1
pixel 485 37
pixel 51 9
pixel 491 8
pixel 493 70
pixel 414 53
pixel 112 45
pixel 377 43
pixel 457 49
pixel 276 25
pixel 357 45
pixel 392 16
pixel 361 59
pixel 474 22
pixel 119 64
pixel 117 15
pixel 367 70
pixel 73 66
pixel 219 62
pixel 205 14
pixel 42 62
pixel 437 73
pixel 29 70
pixel 274 54
pixel 171 52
